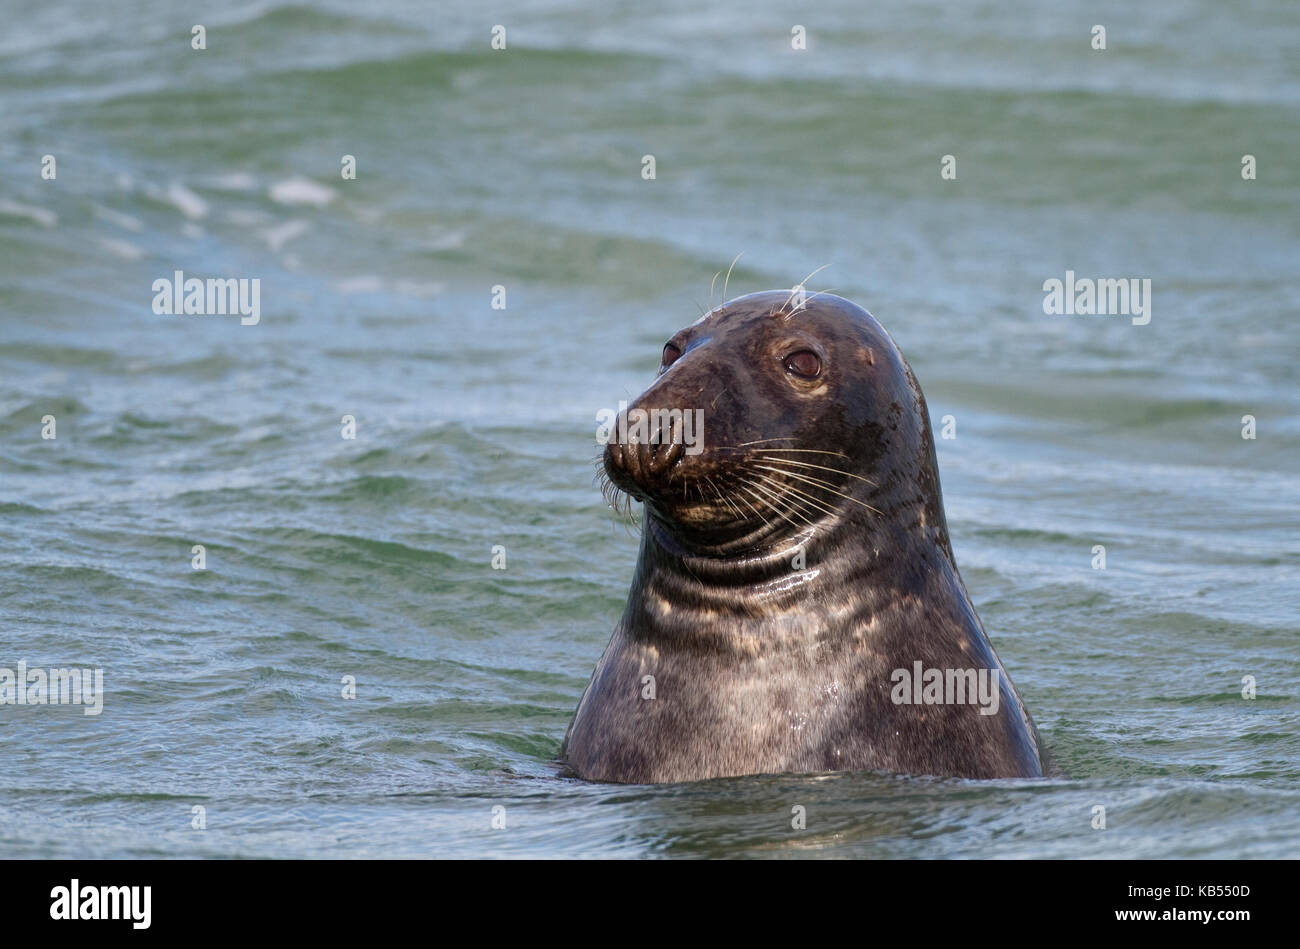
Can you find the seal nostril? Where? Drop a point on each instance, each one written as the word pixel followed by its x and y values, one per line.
pixel 665 456
pixel 622 460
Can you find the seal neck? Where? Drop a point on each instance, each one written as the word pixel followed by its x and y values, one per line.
pixel 787 581
pixel 739 562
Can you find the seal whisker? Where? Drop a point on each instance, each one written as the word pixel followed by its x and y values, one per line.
pixel 806 464
pixel 805 503
pixel 810 479
pixel 767 504
pixel 823 487
pixel 782 492
pixel 728 280
pixel 758 512
pixel 755 510
pixel 777 510
pixel 808 300
pixel 796 287
pixel 778 501
pixel 716 494
pixel 808 451
pixel 817 504
pixel 800 464
pixel 616 499
pixel 811 275
pixel 807 478
pixel 808 501
pixel 723 498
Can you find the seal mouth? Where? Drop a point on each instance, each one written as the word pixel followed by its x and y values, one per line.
pixel 680 492
pixel 734 499
pixel 735 539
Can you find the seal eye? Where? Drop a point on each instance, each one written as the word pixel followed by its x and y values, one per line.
pixel 804 363
pixel 671 354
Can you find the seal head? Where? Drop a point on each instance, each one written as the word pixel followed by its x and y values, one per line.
pixel 796 606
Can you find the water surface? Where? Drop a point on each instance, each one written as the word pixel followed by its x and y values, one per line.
pixel 371 557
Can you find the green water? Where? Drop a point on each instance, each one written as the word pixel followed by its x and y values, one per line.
pixel 372 557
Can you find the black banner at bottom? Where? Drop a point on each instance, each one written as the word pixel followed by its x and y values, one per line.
pixel 920 899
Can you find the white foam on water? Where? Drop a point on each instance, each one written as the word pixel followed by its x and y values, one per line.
pixel 120 248
pixel 367 283
pixel 276 237
pixel 125 221
pixel 186 201
pixel 42 216
pixel 371 283
pixel 299 190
